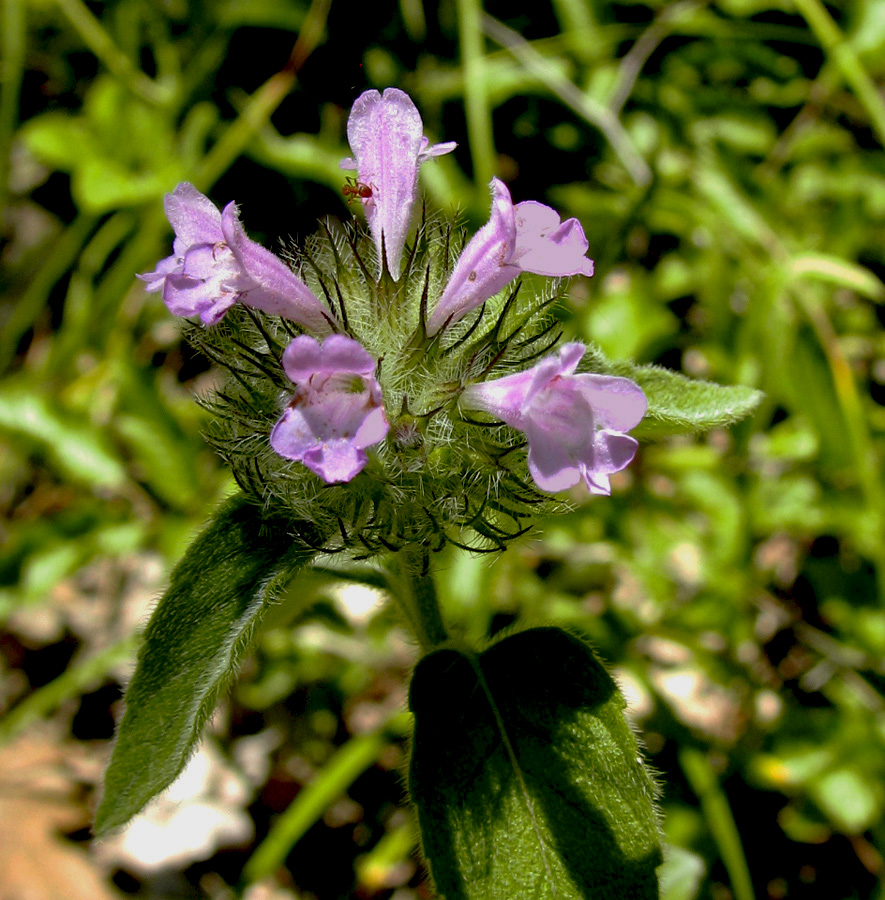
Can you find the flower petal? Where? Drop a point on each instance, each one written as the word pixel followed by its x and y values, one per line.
pixel 428 152
pixel 193 216
pixel 554 461
pixel 337 409
pixel 614 451
pixel 292 436
pixel 275 289
pixel 546 246
pixel 343 354
pixel 187 296
pixel 552 471
pixel 564 363
pixel 155 279
pixel 336 461
pixel 573 423
pixel 385 134
pixel 503 398
pixel 373 429
pixel 483 267
pixel 303 357
pixel 596 483
pixel 619 403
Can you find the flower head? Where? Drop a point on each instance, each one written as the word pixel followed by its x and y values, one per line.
pixel 214 265
pixel 386 136
pixel 528 237
pixel 336 411
pixel 574 423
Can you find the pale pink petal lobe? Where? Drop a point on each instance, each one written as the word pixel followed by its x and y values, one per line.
pixel 574 422
pixel 385 133
pixel 193 216
pixel 546 246
pixel 337 410
pixel 215 265
pixel 528 237
pixel 483 268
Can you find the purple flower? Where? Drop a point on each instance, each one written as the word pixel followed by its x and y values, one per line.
pixel 214 265
pixel 528 237
pixel 336 411
pixel 386 135
pixel 573 423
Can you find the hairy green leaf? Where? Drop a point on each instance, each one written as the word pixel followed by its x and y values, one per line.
pixel 192 647
pixel 678 404
pixel 526 776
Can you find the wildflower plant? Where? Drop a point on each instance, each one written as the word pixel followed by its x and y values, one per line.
pixel 393 389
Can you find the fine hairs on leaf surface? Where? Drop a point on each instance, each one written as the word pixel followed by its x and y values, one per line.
pixel 678 404
pixel 192 648
pixel 526 776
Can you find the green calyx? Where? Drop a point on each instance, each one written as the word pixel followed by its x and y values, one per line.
pixel 439 475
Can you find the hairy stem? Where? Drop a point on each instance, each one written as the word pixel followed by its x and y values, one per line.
pixel 413 587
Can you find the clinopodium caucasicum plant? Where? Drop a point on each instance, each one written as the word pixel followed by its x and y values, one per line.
pixel 392 389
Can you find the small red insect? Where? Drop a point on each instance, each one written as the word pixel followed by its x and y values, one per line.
pixel 356 190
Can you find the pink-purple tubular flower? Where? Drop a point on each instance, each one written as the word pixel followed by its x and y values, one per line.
pixel 336 411
pixel 574 423
pixel 386 135
pixel 214 265
pixel 528 237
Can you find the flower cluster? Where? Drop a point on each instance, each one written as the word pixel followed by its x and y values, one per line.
pixel 214 265
pixel 384 375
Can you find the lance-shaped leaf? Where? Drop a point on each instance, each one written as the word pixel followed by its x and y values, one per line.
pixel 678 404
pixel 526 776
pixel 681 405
pixel 193 646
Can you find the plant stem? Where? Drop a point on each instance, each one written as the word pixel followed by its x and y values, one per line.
pixel 720 820
pixel 568 93
pixel 846 60
pixel 333 780
pixel 577 21
pixel 476 94
pixel 13 35
pixel 413 587
pixel 263 103
pixel 97 39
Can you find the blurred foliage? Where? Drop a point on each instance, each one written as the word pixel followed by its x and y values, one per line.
pixel 726 160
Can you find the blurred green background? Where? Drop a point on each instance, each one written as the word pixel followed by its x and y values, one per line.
pixel 726 160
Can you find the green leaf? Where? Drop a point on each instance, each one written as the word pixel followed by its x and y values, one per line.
pixel 527 777
pixel 839 272
pixel 811 391
pixel 681 874
pixel 678 404
pixel 192 647
pixel 78 450
pixel 58 139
